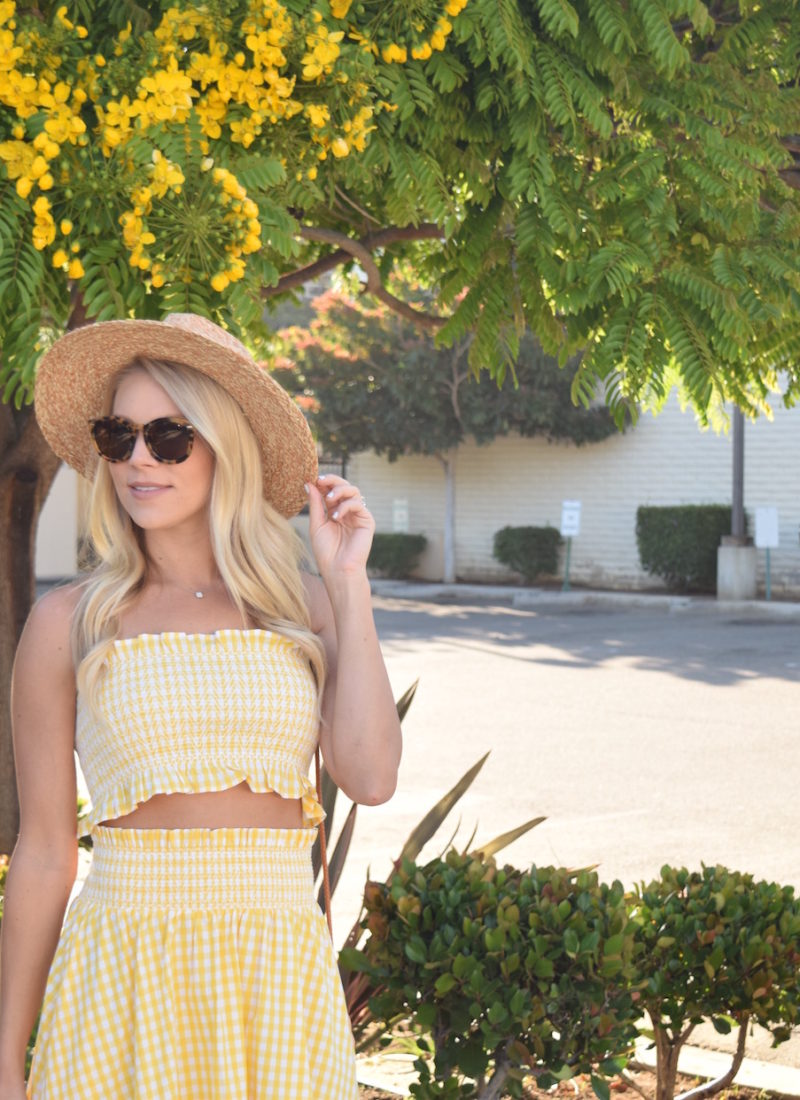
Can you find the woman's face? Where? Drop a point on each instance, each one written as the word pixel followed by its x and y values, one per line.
pixel 158 495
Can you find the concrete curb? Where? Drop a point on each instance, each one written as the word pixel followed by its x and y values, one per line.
pixel 553 600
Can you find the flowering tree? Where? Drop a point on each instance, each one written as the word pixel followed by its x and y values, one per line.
pixel 616 175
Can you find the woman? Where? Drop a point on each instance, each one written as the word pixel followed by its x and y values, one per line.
pixel 194 669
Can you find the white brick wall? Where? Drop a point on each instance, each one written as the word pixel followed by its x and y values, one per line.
pixel 666 459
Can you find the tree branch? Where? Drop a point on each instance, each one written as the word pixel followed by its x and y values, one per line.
pixel 633 1084
pixel 712 1087
pixel 361 250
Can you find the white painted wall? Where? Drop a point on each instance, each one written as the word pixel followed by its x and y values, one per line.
pixel 666 459
pixel 57 535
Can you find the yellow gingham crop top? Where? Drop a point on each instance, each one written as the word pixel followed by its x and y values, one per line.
pixel 199 712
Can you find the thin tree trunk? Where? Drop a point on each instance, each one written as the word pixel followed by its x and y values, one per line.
pixel 667 1050
pixel 448 464
pixel 493 1089
pixel 27 469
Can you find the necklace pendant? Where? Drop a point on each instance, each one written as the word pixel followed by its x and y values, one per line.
pixel 199 595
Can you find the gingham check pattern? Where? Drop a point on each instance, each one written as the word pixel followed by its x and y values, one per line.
pixel 199 712
pixel 195 964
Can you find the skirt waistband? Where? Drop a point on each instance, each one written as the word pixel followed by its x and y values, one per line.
pixel 228 868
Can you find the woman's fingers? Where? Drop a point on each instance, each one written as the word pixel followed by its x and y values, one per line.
pixel 340 497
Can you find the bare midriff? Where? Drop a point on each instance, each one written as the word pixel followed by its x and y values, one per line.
pixel 235 807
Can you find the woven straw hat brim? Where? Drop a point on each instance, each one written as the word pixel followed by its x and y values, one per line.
pixel 72 382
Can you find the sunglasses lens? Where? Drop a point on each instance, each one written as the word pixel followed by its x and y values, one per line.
pixel 113 439
pixel 169 440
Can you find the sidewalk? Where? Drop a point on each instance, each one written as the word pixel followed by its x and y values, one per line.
pixel 577 598
pixel 777 1070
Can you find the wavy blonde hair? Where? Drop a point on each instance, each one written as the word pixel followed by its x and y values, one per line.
pixel 256 550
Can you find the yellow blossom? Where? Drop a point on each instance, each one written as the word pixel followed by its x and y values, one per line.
pixel 393 52
pixel 46 146
pixel 18 157
pixel 75 269
pixel 340 8
pixel 219 281
pixel 421 52
pixel 339 147
pixel 24 186
pixel 66 226
pixel 318 113
pixel 60 258
pixel 453 7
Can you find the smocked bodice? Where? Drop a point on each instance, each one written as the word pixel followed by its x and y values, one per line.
pixel 199 712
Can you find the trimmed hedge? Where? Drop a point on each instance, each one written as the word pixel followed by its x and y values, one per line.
pixel 395 555
pixel 680 543
pixel 530 551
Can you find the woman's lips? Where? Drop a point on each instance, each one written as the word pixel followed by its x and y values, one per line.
pixel 143 489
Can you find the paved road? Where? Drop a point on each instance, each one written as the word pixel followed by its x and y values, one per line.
pixel 644 736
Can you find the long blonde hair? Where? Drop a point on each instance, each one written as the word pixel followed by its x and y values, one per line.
pixel 256 550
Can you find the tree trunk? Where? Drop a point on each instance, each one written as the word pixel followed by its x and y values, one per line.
pixel 27 469
pixel 495 1087
pixel 448 463
pixel 667 1051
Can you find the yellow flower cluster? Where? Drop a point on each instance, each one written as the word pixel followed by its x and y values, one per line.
pixel 236 82
pixel 323 50
pixel 163 177
pixel 419 48
pixel 241 215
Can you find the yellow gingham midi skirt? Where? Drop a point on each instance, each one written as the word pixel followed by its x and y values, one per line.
pixel 195 964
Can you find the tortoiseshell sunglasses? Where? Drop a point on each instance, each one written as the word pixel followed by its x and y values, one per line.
pixel 169 439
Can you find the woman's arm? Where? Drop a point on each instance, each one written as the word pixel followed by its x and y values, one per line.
pixel 360 734
pixel 44 862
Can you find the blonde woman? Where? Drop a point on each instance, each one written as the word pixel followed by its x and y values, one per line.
pixel 195 670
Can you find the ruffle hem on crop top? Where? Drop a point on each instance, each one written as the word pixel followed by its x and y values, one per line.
pixel 199 712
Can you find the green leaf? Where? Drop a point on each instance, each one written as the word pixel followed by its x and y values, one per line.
pixel 435 816
pixel 350 958
pixel 416 951
pixel 600 1087
pixel 571 943
pixel 502 841
pixel 444 983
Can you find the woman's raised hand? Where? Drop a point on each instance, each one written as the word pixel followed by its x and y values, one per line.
pixel 340 527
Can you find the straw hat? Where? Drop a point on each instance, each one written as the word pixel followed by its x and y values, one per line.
pixel 73 377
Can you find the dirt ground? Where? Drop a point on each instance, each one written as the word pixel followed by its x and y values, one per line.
pixel 581 1089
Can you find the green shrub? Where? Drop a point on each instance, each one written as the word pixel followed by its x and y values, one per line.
pixel 715 945
pixel 530 551
pixel 680 543
pixel 395 555
pixel 504 973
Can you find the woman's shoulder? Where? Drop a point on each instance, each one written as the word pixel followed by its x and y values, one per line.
pixel 50 621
